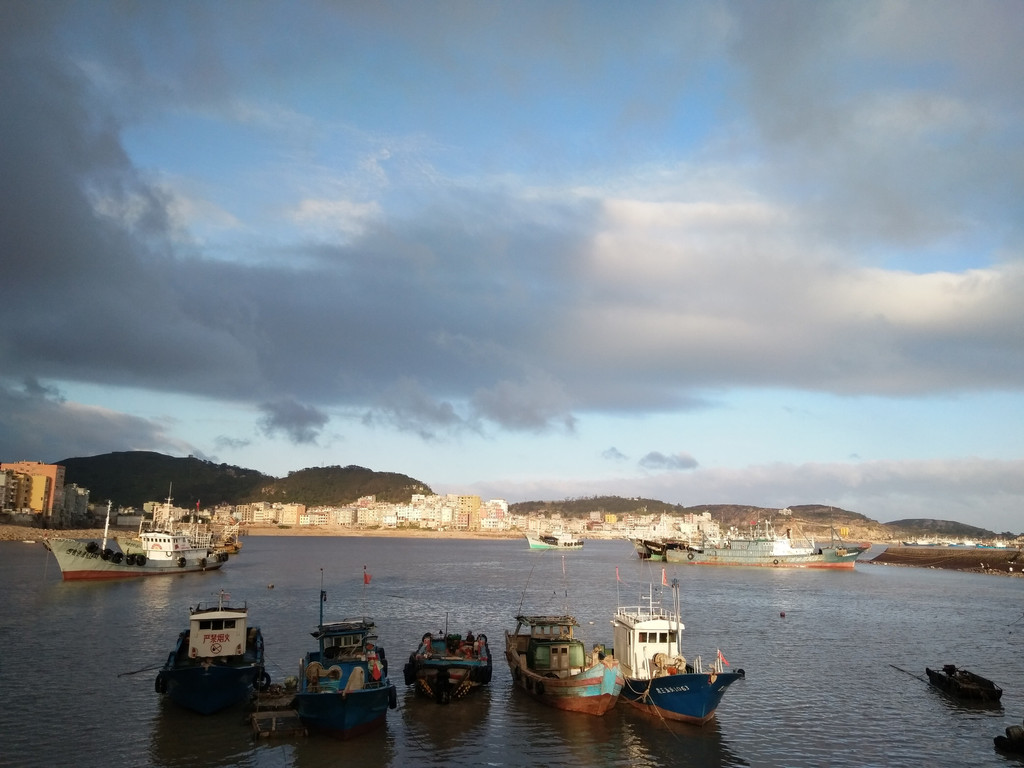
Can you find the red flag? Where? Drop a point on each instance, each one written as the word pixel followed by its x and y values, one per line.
pixel 617 573
pixel 664 578
pixel 721 658
pixel 366 576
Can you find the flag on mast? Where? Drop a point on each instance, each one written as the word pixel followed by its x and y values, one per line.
pixel 721 658
pixel 664 578
pixel 617 573
pixel 366 576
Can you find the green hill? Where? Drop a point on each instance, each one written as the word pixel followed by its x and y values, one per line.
pixel 131 478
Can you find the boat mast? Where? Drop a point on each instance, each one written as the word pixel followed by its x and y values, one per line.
pixel 106 526
pixel 676 617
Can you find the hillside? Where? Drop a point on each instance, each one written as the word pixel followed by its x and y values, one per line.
pixel 131 478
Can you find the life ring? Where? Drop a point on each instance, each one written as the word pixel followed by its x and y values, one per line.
pixel 775 562
pixel 181 562
pixel 690 556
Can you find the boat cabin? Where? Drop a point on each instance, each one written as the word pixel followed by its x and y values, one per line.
pixel 549 646
pixel 217 631
pixel 646 641
pixel 347 639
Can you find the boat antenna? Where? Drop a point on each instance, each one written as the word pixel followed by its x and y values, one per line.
pixel 323 597
pixel 565 587
pixel 522 597
pixel 676 610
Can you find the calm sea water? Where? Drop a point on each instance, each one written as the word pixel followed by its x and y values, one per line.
pixel 821 688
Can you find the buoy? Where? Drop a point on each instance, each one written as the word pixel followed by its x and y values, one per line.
pixel 782 614
pixel 270 586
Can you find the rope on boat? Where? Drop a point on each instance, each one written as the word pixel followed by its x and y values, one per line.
pixel 136 671
pixel 923 680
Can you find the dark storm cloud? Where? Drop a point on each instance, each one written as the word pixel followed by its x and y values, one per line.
pixel 37 424
pixel 299 423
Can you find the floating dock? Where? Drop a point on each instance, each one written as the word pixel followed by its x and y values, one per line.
pixel 277 724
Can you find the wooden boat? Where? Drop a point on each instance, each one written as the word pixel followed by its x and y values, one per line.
pixel 963 684
pixel 344 688
pixel 552 665
pixel 659 680
pixel 554 541
pixel 764 547
pixel 448 666
pixel 216 662
pixel 656 549
pixel 162 551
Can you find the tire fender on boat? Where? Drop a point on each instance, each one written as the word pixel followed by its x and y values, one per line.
pixel 538 688
pixel 181 562
pixel 263 681
pixel 392 698
pixel 775 562
pixel 690 556
pixel 161 683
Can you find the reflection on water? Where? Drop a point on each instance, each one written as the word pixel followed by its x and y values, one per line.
pixel 820 689
pixel 184 739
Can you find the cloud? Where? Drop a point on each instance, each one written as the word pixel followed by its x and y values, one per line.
pixel 613 454
pixel 677 461
pixel 37 423
pixel 299 423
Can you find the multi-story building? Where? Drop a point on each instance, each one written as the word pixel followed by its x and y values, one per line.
pixel 43 493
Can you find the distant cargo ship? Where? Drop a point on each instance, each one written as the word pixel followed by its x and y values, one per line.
pixel 764 547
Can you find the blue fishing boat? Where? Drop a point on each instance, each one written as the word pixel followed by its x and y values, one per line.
pixel 659 680
pixel 552 665
pixel 217 661
pixel 448 666
pixel 344 689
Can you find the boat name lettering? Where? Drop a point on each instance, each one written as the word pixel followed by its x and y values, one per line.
pixel 672 688
pixel 83 553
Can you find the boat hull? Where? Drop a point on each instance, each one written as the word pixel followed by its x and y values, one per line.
pixel 688 697
pixel 448 668
pixel 211 688
pixel 593 691
pixel 77 563
pixel 553 543
pixel 345 715
pixel 828 558
pixel 964 685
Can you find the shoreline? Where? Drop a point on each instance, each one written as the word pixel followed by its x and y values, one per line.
pixel 1004 562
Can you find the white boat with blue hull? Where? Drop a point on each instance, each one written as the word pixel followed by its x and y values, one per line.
pixel 344 689
pixel 216 662
pixel 659 680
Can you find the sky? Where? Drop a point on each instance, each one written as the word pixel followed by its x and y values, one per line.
pixel 702 252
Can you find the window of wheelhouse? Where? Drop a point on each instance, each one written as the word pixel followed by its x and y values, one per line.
pixel 216 624
pixel 657 637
